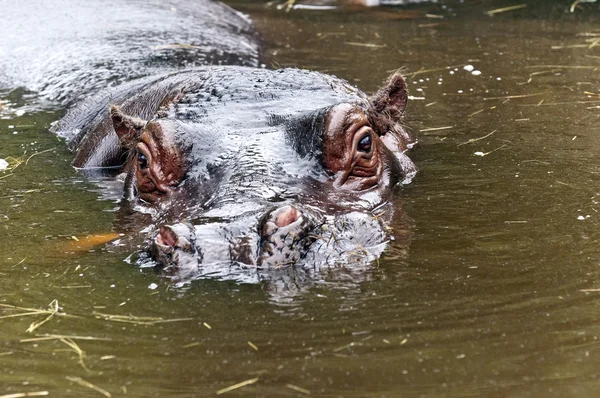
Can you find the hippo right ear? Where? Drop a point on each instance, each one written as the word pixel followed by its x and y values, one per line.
pixel 128 128
pixel 392 98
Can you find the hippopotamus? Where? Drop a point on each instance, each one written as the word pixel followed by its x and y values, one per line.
pixel 217 166
pixel 247 166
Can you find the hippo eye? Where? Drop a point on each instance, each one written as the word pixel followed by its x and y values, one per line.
pixel 364 145
pixel 142 160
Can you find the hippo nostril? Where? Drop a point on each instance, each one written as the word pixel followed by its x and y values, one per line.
pixel 166 236
pixel 285 236
pixel 286 216
pixel 174 246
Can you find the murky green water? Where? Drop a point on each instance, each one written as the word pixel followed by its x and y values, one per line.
pixel 491 289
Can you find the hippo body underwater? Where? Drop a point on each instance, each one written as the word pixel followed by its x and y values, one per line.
pixel 63 51
pixel 250 167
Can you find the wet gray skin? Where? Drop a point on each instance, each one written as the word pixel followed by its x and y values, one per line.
pixel 64 51
pixel 251 167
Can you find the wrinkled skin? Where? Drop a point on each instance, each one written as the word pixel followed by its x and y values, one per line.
pixel 251 168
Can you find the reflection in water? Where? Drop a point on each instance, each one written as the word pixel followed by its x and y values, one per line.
pixel 342 257
pixel 496 296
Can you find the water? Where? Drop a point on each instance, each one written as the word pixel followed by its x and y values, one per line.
pixel 489 290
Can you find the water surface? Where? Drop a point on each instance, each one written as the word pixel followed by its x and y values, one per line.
pixel 490 289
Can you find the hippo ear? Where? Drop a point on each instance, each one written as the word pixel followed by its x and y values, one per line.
pixel 392 98
pixel 128 128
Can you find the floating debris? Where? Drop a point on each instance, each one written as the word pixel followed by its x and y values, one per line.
pixel 74 287
pixel 287 5
pixel 298 389
pixel 26 394
pixel 369 45
pixel 482 154
pixel 89 385
pixel 505 9
pixel 86 243
pixel 80 353
pixel 563 66
pixel 436 128
pixel 312 7
pixel 68 340
pixel 475 113
pixel 423 70
pixel 61 336
pixel 138 320
pixel 11 163
pixel 238 385
pixel 516 96
pixel 38 153
pixel 53 309
pixel 576 3
pixel 345 346
pixel 254 347
pixel 476 139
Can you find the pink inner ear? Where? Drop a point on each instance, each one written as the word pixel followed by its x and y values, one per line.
pixel 392 98
pixel 398 97
pixel 128 128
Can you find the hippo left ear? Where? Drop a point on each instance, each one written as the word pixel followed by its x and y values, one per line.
pixel 128 128
pixel 392 98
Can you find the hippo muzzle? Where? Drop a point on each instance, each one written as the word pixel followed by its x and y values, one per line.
pixel 280 238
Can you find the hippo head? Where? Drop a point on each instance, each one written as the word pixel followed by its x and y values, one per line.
pixel 267 169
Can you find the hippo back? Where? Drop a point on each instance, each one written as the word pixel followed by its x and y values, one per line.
pixel 65 50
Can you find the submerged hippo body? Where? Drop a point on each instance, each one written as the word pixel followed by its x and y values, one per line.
pixel 66 50
pixel 250 167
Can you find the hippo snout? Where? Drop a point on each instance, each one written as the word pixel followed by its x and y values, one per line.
pixel 285 236
pixel 173 246
pixel 279 237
